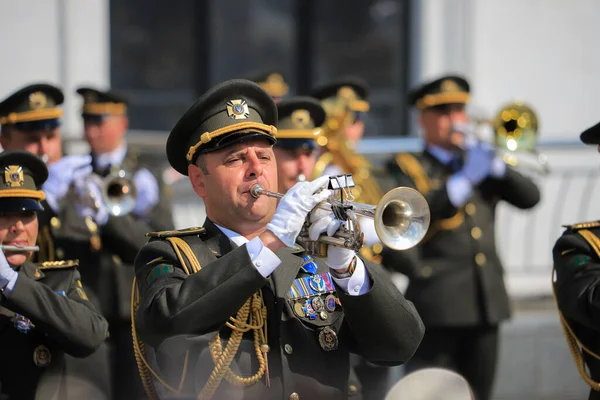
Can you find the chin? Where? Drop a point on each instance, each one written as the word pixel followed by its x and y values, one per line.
pixel 16 259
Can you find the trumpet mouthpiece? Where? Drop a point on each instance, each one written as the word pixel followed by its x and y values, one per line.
pixel 256 190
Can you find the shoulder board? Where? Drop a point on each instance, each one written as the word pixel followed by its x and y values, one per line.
pixel 410 164
pixel 583 225
pixel 58 264
pixel 177 233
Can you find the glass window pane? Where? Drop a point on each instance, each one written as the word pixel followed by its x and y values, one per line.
pixel 366 38
pixel 152 47
pixel 252 36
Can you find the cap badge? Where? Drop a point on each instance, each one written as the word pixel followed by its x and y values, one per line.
pixel 238 109
pixel 449 86
pixel 13 176
pixel 275 78
pixel 37 100
pixel 301 119
pixel 346 93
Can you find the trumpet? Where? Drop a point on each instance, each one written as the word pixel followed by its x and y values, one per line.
pixel 401 219
pixel 119 193
pixel 515 128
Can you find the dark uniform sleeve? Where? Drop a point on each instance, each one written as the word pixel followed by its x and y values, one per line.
pixel 386 328
pixel 71 320
pixel 577 279
pixel 125 235
pixel 174 303
pixel 516 189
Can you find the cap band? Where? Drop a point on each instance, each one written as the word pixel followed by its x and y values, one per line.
pixel 25 193
pixel 208 136
pixel 104 108
pixel 34 115
pixel 431 100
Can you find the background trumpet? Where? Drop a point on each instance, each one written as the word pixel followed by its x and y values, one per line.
pixel 117 191
pixel 515 133
pixel 401 218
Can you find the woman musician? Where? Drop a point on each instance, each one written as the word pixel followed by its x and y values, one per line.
pixel 44 311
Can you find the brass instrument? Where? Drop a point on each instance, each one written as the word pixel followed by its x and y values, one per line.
pixel 515 129
pixel 117 190
pixel 339 151
pixel 8 247
pixel 401 219
pixel 119 193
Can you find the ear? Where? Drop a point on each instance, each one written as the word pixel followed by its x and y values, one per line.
pixel 198 180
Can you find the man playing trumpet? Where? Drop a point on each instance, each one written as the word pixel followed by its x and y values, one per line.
pixel 243 283
pixel 456 277
pixel 44 310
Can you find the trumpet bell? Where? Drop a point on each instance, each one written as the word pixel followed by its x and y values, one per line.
pixel 119 195
pixel 402 218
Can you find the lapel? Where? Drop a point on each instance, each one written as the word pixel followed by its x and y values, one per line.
pixel 215 240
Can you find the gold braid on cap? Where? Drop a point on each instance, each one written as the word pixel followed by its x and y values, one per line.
pixel 104 108
pixel 34 115
pixel 24 193
pixel 431 100
pixel 242 126
pixel 299 133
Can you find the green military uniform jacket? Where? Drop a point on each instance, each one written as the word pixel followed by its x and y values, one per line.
pixel 577 264
pixel 51 298
pixel 179 312
pixel 456 277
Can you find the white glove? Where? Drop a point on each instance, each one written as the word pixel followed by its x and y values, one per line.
pixel 293 208
pixel 6 271
pixel 478 163
pixel 88 189
pixel 147 192
pixel 339 257
pixel 322 221
pixel 61 174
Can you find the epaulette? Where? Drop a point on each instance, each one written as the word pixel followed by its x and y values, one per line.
pixel 58 264
pixel 411 166
pixel 176 233
pixel 583 225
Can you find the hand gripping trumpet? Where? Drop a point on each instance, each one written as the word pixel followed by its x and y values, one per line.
pixel 401 217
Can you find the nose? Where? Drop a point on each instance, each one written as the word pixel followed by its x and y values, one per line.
pixel 303 163
pixel 17 226
pixel 43 146
pixel 255 168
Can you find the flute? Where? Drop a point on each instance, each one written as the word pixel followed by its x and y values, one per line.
pixel 8 247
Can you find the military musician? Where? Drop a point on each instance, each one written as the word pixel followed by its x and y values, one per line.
pixel 44 310
pixel 456 277
pixel 242 276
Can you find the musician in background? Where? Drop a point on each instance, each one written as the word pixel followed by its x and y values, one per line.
pixel 577 263
pixel 456 277
pixel 44 310
pixel 30 120
pixel 192 281
pixel 105 123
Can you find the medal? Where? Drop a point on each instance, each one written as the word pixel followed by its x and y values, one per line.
pixel 299 309
pixel 317 283
pixel 330 303
pixel 328 339
pixel 23 324
pixel 310 313
pixel 308 265
pixel 41 356
pixel 317 303
pixel 323 314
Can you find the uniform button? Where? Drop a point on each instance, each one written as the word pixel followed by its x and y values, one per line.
pixel 288 349
pixel 352 389
pixel 476 233
pixel 480 259
pixel 259 264
pixel 426 271
pixel 60 254
pixel 294 396
pixel 356 288
pixel 470 209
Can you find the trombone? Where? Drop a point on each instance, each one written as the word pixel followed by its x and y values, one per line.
pixel 515 129
pixel 401 218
